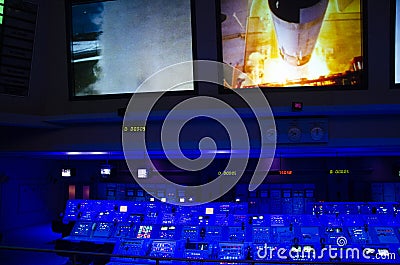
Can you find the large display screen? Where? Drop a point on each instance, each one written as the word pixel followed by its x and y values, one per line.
pixel 284 43
pixel 115 45
pixel 397 45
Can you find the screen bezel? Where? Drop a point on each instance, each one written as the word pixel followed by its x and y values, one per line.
pixel 70 68
pixel 363 86
pixel 393 14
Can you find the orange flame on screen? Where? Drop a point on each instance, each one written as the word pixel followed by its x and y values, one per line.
pixel 276 72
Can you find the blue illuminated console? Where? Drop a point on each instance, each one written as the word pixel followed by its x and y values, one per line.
pixel 140 232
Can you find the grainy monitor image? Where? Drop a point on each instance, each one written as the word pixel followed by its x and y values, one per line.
pixel 116 45
pixel 284 43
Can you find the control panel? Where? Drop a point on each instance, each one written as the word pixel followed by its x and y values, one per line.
pixel 103 229
pixel 227 231
pixel 261 234
pixel 144 231
pixel 190 233
pixel 167 232
pixel 82 229
pixel 135 247
pixel 165 249
pixel 197 250
pixel 231 251
pixel 386 235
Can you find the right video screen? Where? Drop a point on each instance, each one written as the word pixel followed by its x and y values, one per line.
pixel 286 44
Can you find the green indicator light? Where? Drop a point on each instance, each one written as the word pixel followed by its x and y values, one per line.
pixel 1 9
pixel 2 2
pixel 1 19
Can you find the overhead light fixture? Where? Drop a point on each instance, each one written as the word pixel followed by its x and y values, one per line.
pixel 87 153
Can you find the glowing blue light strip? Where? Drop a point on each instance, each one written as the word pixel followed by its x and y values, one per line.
pixel 86 153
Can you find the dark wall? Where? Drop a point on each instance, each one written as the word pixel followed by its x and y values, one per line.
pixel 29 192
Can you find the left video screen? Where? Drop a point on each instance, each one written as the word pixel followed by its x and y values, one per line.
pixel 115 45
